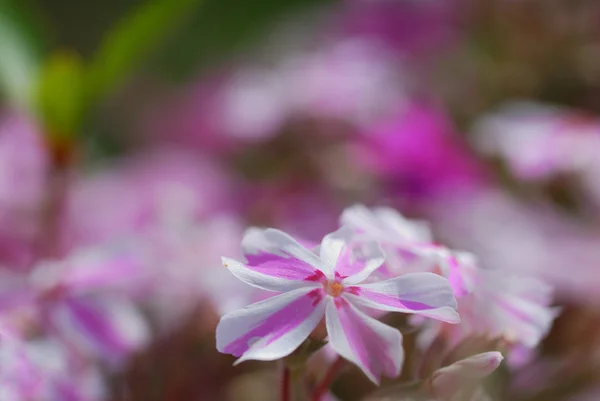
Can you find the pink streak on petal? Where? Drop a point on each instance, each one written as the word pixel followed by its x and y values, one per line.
pixel 317 277
pixel 457 281
pixel 288 268
pixel 372 353
pixel 98 326
pixel 278 324
pixel 347 265
pixel 388 299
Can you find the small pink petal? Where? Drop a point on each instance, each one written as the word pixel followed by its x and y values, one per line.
pixel 449 380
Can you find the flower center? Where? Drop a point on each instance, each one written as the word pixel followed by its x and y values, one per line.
pixel 334 289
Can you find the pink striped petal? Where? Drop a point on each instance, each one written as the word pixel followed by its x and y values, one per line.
pixel 373 346
pixel 104 269
pixel 331 249
pixel 385 225
pixel 270 282
pixel 107 327
pixel 273 328
pixel 275 262
pixel 358 260
pixel 346 257
pixel 425 294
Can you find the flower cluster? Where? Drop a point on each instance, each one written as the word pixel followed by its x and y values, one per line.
pixel 377 261
pixel 117 206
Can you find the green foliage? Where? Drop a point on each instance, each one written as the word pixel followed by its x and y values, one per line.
pixel 131 41
pixel 20 55
pixel 67 87
pixel 225 27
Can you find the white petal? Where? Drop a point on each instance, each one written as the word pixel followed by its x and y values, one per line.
pixel 367 256
pixel 273 328
pixel 373 346
pixel 331 247
pixel 425 294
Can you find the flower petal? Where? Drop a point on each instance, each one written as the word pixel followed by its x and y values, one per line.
pixel 358 260
pixel 385 225
pixel 373 346
pixel 109 327
pixel 449 381
pixel 273 328
pixel 345 255
pixel 331 249
pixel 426 294
pixel 276 262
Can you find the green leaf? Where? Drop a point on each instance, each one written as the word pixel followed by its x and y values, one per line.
pixel 20 57
pixel 131 41
pixel 60 94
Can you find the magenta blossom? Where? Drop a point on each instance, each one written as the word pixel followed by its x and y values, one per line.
pixel 418 152
pixel 326 285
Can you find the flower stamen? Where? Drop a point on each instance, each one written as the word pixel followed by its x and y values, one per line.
pixel 334 289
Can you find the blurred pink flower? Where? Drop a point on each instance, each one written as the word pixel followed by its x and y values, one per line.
pixel 44 370
pixel 418 153
pixel 514 308
pixel 510 306
pixel 166 187
pixel 493 303
pixel 524 238
pixel 353 81
pixel 326 285
pixel 82 301
pixel 540 141
pixel 185 265
pixel 24 167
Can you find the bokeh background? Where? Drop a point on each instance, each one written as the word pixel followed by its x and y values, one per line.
pixel 139 139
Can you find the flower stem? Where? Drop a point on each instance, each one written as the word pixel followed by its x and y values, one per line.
pixel 285 383
pixel 323 386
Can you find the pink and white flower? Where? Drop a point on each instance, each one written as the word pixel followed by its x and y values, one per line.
pixel 83 301
pixel 493 302
pixel 329 284
pixel 409 247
